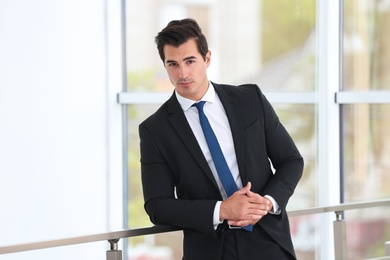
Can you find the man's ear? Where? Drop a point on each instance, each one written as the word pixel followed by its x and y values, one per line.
pixel 208 58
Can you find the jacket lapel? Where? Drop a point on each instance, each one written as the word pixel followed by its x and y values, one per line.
pixel 179 122
pixel 230 104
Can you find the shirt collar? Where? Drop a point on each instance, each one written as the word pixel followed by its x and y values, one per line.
pixel 186 103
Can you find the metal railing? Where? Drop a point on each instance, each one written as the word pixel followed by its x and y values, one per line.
pixel 339 227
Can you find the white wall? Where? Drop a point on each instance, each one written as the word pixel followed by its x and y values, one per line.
pixel 60 125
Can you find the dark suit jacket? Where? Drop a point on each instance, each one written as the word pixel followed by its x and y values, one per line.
pixel 179 188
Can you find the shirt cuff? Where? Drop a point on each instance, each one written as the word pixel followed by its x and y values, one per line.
pixel 216 220
pixel 276 209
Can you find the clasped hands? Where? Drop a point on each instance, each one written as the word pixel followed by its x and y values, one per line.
pixel 244 207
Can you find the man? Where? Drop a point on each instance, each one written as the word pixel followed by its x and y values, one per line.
pixel 181 177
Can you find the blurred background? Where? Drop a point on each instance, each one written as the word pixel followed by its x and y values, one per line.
pixel 77 78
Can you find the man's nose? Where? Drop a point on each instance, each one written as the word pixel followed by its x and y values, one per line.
pixel 183 72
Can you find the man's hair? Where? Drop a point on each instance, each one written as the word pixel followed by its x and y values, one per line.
pixel 178 32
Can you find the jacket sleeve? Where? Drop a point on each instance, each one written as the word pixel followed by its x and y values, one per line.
pixel 159 184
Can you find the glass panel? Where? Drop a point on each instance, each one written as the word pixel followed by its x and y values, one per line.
pixel 366 152
pixel 137 215
pixel 300 122
pixel 165 246
pixel 270 43
pixel 367 231
pixel 366 45
pixel 304 231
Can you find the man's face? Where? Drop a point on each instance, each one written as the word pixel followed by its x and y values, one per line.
pixel 186 69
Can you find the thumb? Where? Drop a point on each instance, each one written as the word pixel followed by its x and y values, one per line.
pixel 247 188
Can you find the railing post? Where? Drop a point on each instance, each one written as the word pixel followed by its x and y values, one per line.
pixel 340 237
pixel 113 253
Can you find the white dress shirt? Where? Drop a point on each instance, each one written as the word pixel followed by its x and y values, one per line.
pixel 216 115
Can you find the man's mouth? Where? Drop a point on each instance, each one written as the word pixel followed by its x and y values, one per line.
pixel 185 82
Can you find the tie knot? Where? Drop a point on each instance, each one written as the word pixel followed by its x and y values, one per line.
pixel 199 105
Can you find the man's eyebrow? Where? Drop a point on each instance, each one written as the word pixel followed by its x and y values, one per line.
pixel 186 58
pixel 190 58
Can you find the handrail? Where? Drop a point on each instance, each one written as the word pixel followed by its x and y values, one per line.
pixel 340 207
pixel 88 239
pixel 165 228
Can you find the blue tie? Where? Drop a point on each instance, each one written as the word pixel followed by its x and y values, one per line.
pixel 223 170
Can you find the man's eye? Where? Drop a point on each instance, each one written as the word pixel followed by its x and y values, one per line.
pixel 172 64
pixel 190 61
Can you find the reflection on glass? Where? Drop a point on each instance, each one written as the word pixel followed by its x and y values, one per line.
pixel 366 45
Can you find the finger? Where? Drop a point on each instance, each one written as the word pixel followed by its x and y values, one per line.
pixel 250 215
pixel 245 190
pixel 244 222
pixel 258 209
pixel 258 199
